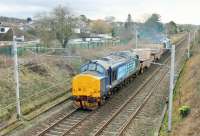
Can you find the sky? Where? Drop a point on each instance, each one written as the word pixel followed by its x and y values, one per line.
pixel 180 11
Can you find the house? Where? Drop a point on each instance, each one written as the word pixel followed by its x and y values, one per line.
pixel 6 33
pixel 4 30
pixel 81 26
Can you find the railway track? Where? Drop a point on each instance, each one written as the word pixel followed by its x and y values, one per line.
pixel 93 123
pixel 135 114
pixel 128 111
pixel 118 122
pixel 65 123
pixel 121 119
pixel 144 123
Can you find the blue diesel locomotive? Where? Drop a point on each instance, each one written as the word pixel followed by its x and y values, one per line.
pixel 99 78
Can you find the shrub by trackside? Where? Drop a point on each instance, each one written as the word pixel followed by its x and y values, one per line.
pixel 184 111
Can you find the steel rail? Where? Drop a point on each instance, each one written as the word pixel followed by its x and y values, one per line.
pixel 134 114
pixel 127 101
pixel 56 123
pixel 133 96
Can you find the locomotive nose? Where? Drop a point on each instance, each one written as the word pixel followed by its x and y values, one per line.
pixel 86 85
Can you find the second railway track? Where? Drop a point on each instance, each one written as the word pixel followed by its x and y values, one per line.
pixel 121 118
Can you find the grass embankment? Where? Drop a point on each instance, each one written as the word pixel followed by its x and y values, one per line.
pixel 187 92
pixel 41 81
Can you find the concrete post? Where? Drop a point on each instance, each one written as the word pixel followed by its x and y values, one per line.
pixel 16 74
pixel 171 88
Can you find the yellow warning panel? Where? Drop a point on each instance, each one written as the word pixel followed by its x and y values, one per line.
pixel 86 85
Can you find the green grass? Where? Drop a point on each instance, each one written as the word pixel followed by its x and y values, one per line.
pixel 39 84
pixel 175 117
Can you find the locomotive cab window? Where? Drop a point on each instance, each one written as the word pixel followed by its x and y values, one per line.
pixel 84 68
pixel 93 67
pixel 100 69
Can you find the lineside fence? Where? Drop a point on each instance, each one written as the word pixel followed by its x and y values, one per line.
pixel 97 44
pixel 6 49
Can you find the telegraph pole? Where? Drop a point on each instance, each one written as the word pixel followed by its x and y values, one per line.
pixel 188 53
pixel 171 88
pixel 16 74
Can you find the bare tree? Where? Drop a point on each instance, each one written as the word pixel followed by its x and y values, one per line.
pixel 62 24
pixel 55 25
pixel 43 29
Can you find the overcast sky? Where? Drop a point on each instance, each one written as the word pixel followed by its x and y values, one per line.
pixel 181 11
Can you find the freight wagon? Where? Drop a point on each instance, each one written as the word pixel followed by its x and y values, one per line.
pixel 156 49
pixel 145 57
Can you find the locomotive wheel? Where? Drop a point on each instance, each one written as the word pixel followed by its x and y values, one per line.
pixel 110 93
pixel 101 102
pixel 133 77
pixel 81 104
pixel 129 80
pixel 126 82
pixel 116 89
pixel 142 70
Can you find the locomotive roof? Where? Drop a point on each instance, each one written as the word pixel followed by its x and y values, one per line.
pixel 115 59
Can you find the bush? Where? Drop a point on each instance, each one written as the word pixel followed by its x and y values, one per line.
pixel 184 111
pixel 27 108
pixel 4 115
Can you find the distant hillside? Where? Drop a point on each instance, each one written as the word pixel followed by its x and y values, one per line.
pixel 16 24
pixel 8 36
pixel 11 20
